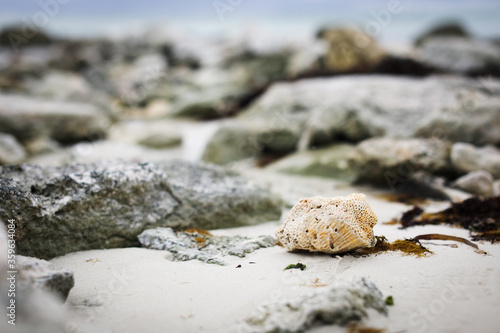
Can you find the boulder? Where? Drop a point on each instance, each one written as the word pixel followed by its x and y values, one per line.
pixel 349 50
pixel 354 108
pixel 466 158
pixel 194 244
pixel 340 304
pixel 479 183
pixel 40 274
pixel 27 118
pixel 461 55
pixel 444 29
pixel 11 151
pixel 329 162
pixel 105 205
pixel 388 161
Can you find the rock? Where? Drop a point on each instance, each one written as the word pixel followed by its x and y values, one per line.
pixel 11 151
pixel 161 141
pixel 329 225
pixel 259 68
pixel 208 93
pixel 496 188
pixel 27 118
pixel 354 108
pixel 324 162
pixel 134 82
pixel 41 145
pixel 387 161
pixel 467 158
pixel 241 140
pixel 349 50
pixel 16 36
pixel 200 245
pixel 36 310
pixel 40 274
pixel 339 304
pixel 445 29
pixel 213 197
pixel 425 185
pixel 476 121
pixel 476 182
pixel 461 55
pixel 66 86
pixel 106 205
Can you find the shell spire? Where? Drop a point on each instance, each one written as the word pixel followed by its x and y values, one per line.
pixel 330 225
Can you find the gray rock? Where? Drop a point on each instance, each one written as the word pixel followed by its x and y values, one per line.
pixel 161 141
pixel 388 161
pixel 106 205
pixel 496 188
pixel 11 151
pixel 446 29
pixel 213 197
pixel 36 310
pixel 466 158
pixel 246 139
pixel 324 162
pixel 354 108
pixel 461 55
pixel 476 121
pixel 477 182
pixel 27 118
pixel 339 304
pixel 423 184
pixel 40 274
pixel 200 245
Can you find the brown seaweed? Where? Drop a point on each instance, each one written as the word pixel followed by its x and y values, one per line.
pixel 407 247
pixel 445 237
pixel 480 216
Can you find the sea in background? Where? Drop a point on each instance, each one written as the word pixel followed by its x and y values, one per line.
pixel 262 22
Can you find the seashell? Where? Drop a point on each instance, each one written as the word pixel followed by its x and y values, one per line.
pixel 330 225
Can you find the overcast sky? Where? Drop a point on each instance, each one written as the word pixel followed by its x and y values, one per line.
pixel 95 15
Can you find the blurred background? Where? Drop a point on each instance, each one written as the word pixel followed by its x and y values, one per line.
pixel 82 80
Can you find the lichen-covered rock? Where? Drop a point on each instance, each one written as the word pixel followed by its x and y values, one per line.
pixel 200 245
pixel 330 225
pixel 107 204
pixel 479 182
pixel 27 118
pixel 11 150
pixel 467 158
pixel 339 304
pixel 388 161
pixel 40 274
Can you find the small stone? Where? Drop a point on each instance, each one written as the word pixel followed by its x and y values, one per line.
pixel 200 245
pixel 40 274
pixel 161 141
pixel 476 182
pixel 466 158
pixel 11 151
pixel 339 304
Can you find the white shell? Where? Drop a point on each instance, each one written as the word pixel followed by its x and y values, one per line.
pixel 330 225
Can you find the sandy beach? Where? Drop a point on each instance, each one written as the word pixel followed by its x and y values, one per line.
pixel 134 289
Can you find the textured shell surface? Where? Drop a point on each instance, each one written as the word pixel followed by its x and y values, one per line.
pixel 330 225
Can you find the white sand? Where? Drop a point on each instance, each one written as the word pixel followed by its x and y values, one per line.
pixel 139 290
